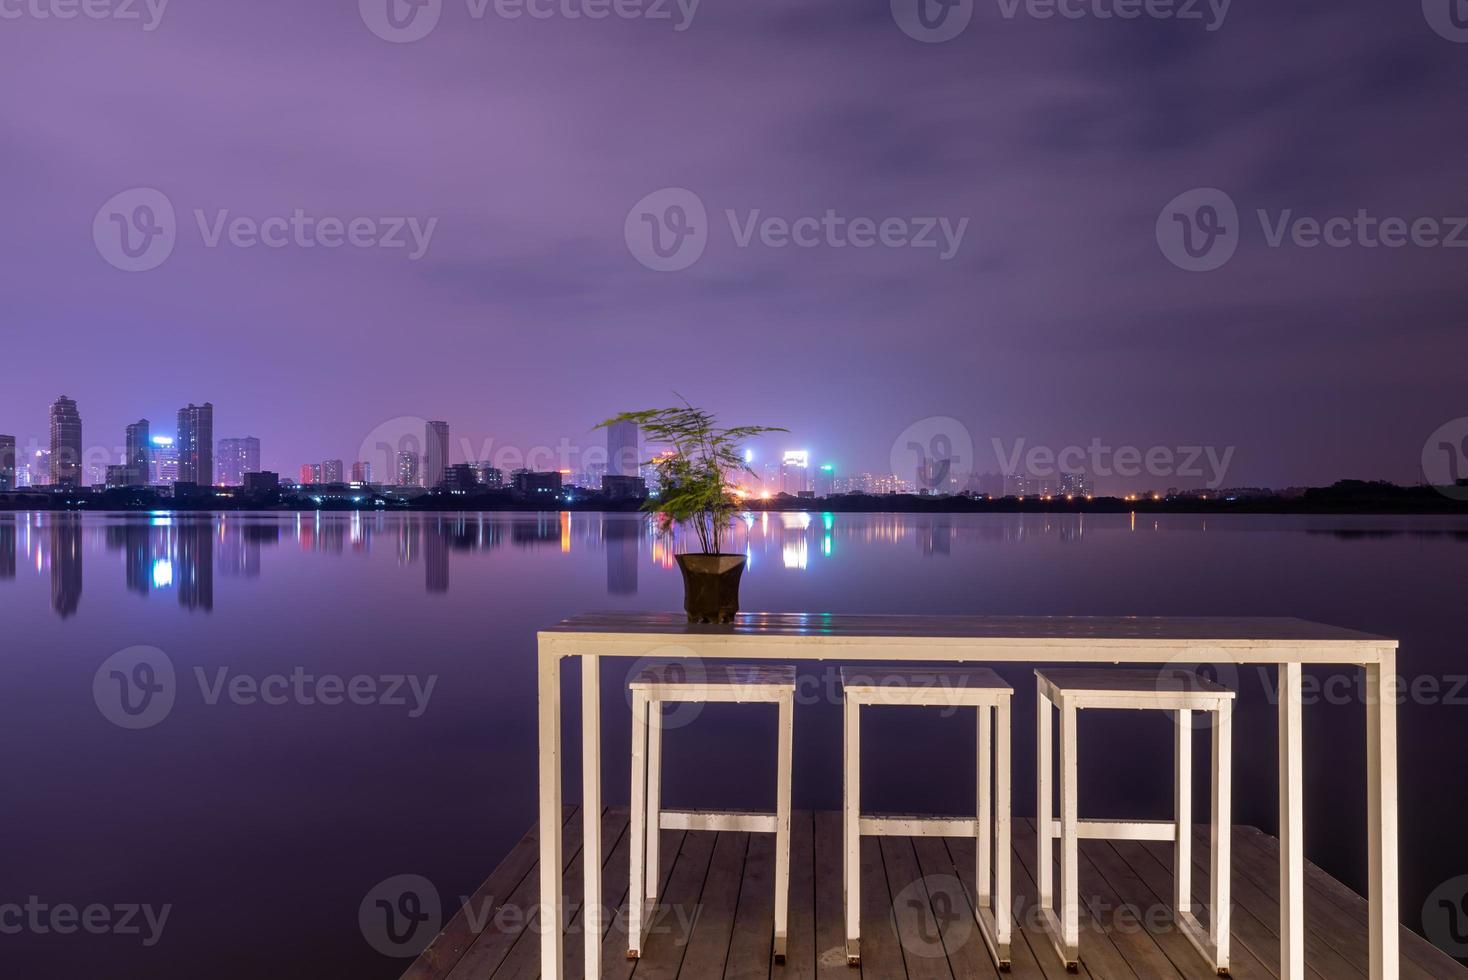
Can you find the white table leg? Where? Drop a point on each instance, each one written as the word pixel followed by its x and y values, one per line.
pixel 1381 794
pixel 984 873
pixel 1070 890
pixel 1002 806
pixel 786 750
pixel 1219 920
pixel 552 957
pixel 637 863
pixel 1291 826
pixel 591 910
pixel 1182 848
pixel 851 830
pixel 653 862
pixel 1044 772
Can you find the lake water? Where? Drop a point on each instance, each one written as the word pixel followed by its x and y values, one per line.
pixel 353 698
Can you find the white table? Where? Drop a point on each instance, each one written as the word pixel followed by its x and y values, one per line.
pixel 1286 643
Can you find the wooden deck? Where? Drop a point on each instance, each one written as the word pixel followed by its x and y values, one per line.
pixel 717 894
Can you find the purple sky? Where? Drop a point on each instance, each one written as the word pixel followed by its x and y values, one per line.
pixel 1058 321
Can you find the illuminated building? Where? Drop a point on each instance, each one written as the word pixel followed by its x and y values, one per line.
pixel 435 453
pixel 534 484
pixel 825 483
pixel 7 463
pixel 236 458
pixel 136 457
pixel 407 469
pixel 461 478
pixel 310 474
pixel 492 477
pixel 165 459
pixel 361 472
pixel 66 443
pixel 795 472
pixel 623 455
pixel 331 471
pixel 196 444
pixel 1076 485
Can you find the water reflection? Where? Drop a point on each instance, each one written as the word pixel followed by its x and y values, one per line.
pixel 182 553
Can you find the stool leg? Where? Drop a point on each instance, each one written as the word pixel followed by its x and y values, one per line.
pixel 1044 870
pixel 1003 849
pixel 851 831
pixel 654 797
pixel 984 874
pixel 1069 836
pixel 1218 919
pixel 639 825
pixel 782 824
pixel 1182 848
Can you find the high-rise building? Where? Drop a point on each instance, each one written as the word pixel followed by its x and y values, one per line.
pixel 165 460
pixel 236 458
pixel 795 472
pixel 137 455
pixel 361 472
pixel 7 463
pixel 623 455
pixel 491 477
pixel 331 471
pixel 196 444
pixel 407 469
pixel 66 443
pixel 435 453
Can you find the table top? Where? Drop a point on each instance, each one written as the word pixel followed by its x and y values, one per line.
pixel 1223 631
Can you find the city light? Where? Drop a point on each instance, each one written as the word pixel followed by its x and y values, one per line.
pixel 162 440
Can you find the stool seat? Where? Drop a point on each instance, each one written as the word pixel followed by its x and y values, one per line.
pixel 1142 689
pixel 934 685
pixel 676 674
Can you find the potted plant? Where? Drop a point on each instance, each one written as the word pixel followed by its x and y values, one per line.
pixel 696 491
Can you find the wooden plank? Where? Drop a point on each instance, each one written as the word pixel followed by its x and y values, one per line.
pixel 752 941
pixel 1030 944
pixel 952 898
pixel 912 914
pixel 677 912
pixel 1140 948
pixel 521 907
pixel 800 957
pixel 708 947
pixel 523 960
pixel 614 962
pixel 881 953
pixel 1340 918
pixel 830 924
pixel 1098 952
pixel 450 945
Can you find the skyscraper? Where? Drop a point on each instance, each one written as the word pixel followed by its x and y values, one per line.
pixel 196 444
pixel 435 453
pixel 7 462
pixel 407 469
pixel 331 471
pixel 165 460
pixel 795 472
pixel 137 456
pixel 236 458
pixel 66 443
pixel 623 456
pixel 361 472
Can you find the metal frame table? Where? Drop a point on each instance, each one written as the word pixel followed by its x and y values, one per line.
pixel 1285 643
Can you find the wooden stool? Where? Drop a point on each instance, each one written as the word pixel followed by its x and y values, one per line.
pixel 703 682
pixel 1072 690
pixel 947 688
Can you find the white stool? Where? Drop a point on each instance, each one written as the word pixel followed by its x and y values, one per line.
pixel 947 688
pixel 1072 690
pixel 675 682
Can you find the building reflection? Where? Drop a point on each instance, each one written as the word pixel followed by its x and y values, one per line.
pixel 622 539
pixel 64 538
pixel 7 546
